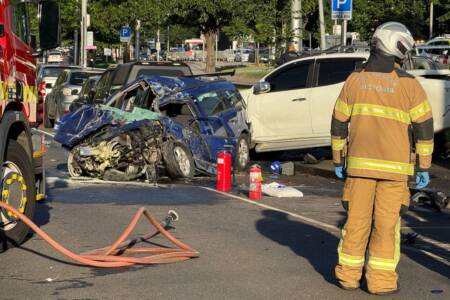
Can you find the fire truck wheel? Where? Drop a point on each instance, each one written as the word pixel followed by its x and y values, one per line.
pixel 178 160
pixel 48 123
pixel 243 152
pixel 18 190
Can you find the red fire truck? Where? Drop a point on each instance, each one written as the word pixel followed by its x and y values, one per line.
pixel 22 179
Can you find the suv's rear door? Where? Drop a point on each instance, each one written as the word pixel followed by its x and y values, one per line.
pixel 329 78
pixel 283 113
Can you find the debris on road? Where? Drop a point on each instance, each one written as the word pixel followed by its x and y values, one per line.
pixel 435 199
pixel 288 168
pixel 278 190
pixel 310 159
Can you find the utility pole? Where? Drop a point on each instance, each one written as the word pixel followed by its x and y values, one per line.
pixel 431 18
pixel 76 59
pixel 158 45
pixel 83 33
pixel 322 26
pixel 297 24
pixel 168 39
pixel 137 51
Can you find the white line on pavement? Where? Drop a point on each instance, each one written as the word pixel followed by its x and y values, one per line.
pixel 44 132
pixel 312 221
pixel 325 225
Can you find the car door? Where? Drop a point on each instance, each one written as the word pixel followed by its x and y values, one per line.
pixel 329 78
pixel 283 113
pixel 235 115
pixel 213 113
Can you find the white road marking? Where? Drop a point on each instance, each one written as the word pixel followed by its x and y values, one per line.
pixel 43 132
pixel 332 227
pixel 297 216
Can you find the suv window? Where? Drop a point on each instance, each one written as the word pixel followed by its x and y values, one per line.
pixel 233 98
pixel 102 85
pixel 52 72
pixel 336 71
pixel 61 78
pixel 77 78
pixel 293 76
pixel 212 103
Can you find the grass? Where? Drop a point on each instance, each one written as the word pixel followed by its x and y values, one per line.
pixel 253 72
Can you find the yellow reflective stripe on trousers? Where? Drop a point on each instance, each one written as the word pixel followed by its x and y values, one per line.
pixel 348 260
pixel 342 107
pixel 420 110
pixel 338 144
pixel 388 264
pixel 381 111
pixel 424 149
pixel 380 165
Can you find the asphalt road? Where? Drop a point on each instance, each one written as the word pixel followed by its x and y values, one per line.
pixel 273 249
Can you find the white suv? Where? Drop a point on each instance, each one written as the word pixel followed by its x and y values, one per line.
pixel 291 107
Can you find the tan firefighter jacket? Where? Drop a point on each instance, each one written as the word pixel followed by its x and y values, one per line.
pixel 381 121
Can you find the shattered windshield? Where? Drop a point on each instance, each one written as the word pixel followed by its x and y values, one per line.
pixel 211 103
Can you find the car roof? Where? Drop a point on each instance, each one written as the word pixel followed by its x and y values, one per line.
pixel 60 66
pixel 172 89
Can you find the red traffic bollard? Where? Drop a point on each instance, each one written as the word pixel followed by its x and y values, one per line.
pixel 255 182
pixel 224 160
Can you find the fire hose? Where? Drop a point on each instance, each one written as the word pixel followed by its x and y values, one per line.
pixel 116 255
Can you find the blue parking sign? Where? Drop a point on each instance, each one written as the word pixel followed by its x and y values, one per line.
pixel 341 9
pixel 125 34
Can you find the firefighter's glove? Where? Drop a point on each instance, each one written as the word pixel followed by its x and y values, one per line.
pixel 422 180
pixel 340 172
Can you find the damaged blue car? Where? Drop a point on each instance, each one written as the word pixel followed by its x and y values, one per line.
pixel 199 118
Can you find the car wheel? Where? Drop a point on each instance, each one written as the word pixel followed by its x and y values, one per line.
pixel 48 123
pixel 73 167
pixel 19 186
pixel 178 160
pixel 243 153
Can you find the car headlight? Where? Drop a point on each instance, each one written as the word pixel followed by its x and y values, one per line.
pixel 67 92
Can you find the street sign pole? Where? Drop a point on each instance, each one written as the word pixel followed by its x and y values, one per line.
pixel 342 10
pixel 344 32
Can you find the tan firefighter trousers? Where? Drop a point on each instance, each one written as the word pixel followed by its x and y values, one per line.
pixel 373 209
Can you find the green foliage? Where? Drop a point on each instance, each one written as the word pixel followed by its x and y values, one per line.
pixel 267 21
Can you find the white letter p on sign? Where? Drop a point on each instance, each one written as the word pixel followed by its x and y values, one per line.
pixel 339 2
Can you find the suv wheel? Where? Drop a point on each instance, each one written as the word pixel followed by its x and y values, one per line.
pixel 243 152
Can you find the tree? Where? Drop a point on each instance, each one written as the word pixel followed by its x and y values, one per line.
pixel 209 16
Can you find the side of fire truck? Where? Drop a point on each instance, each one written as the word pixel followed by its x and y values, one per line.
pixel 22 179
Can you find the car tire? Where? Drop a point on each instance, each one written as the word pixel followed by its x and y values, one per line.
pixel 178 160
pixel 17 161
pixel 73 167
pixel 242 158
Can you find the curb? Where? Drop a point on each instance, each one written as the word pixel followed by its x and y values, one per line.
pixel 311 170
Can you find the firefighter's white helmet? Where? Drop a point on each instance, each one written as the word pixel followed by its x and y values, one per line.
pixel 394 39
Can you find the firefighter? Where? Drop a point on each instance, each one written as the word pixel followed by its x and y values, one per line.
pixel 382 113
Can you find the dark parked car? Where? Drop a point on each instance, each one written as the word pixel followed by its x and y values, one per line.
pixel 198 119
pixel 118 76
pixel 86 96
pixel 65 90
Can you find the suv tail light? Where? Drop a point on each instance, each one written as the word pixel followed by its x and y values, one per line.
pixel 42 88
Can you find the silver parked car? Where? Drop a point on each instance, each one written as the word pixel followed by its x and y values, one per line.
pixel 64 92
